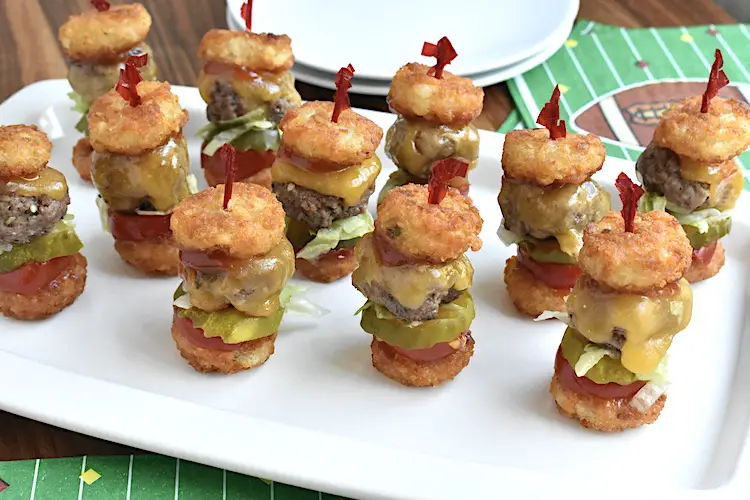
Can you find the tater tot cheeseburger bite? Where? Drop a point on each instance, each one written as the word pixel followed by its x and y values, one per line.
pixel 435 109
pixel 689 169
pixel 248 88
pixel 416 277
pixel 41 268
pixel 98 42
pixel 324 174
pixel 622 314
pixel 140 167
pixel 547 199
pixel 234 262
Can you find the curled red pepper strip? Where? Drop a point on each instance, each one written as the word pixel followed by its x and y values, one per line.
pixel 247 14
pixel 629 195
pixel 442 173
pixel 228 155
pixel 341 97
pixel 130 77
pixel 443 51
pixel 100 5
pixel 716 80
pixel 549 117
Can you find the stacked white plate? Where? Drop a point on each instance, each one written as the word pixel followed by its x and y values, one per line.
pixel 495 39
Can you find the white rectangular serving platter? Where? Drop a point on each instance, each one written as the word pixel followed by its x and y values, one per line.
pixel 318 415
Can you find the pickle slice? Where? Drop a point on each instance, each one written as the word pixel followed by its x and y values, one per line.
pixel 59 242
pixel 453 318
pixel 547 250
pixel 605 371
pixel 716 230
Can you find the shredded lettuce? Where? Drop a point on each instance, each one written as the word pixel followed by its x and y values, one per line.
pixel 78 103
pixel 648 395
pixel 659 375
pixel 192 183
pixel 651 201
pixel 250 131
pixel 702 219
pixel 592 354
pixel 5 247
pixel 507 237
pixel 327 239
pixel 561 316
pixel 293 299
pixel 103 213
pixel 368 304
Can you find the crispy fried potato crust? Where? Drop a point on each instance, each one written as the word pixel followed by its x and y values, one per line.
pixel 327 270
pixel 310 133
pixel 530 155
pixel 713 137
pixel 413 373
pixel 151 257
pixel 102 36
pixel 117 127
pixel 451 100
pixel 255 51
pixel 82 158
pixel 424 232
pixel 24 150
pixel 59 294
pixel 699 272
pixel 251 354
pixel 656 253
pixel 529 295
pixel 252 226
pixel 606 415
pixel 261 178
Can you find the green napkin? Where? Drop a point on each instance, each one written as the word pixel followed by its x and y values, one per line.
pixel 615 82
pixel 137 477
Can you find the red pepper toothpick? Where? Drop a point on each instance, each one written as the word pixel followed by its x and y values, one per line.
pixel 442 173
pixel 130 77
pixel 629 195
pixel 549 117
pixel 443 51
pixel 228 155
pixel 100 5
pixel 341 97
pixel 716 80
pixel 247 14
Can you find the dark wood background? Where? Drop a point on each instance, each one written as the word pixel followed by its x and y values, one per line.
pixel 29 52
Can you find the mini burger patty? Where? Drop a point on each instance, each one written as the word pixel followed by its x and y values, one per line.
pixel 225 104
pixel 427 311
pixel 24 218
pixel 314 209
pixel 659 169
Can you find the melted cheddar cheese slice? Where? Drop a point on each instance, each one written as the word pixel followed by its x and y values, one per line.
pixel 649 323
pixel 410 284
pixel 724 181
pixel 350 184
pixel 49 181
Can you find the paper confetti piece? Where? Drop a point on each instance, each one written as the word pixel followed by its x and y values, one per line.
pixel 3 486
pixel 90 476
pixel 642 64
pixel 563 88
pixel 686 37
pixel 571 43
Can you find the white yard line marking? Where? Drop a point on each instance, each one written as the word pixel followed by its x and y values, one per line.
pixel 320 495
pixel 528 99
pixel 80 483
pixel 224 485
pixel 177 480
pixel 36 476
pixel 554 82
pixel 744 31
pixel 635 52
pixel 616 120
pixel 696 49
pixel 130 478
pixel 731 53
pixel 607 60
pixel 272 493
pixel 667 52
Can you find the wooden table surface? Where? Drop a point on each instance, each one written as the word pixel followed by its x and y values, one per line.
pixel 29 52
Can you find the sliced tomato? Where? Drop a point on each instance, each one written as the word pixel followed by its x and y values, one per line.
pixel 558 276
pixel 704 254
pixel 387 255
pixel 434 353
pixel 247 163
pixel 32 277
pixel 206 262
pixel 128 227
pixel 196 337
pixel 583 385
pixel 305 164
